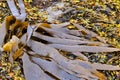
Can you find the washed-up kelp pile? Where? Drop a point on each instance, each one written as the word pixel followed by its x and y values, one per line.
pixel 70 40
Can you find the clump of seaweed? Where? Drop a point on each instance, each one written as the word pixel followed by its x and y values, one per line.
pixel 70 49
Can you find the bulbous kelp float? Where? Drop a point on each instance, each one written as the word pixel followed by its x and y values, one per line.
pixel 43 48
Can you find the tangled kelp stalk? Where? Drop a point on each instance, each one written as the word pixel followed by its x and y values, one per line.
pixel 44 48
